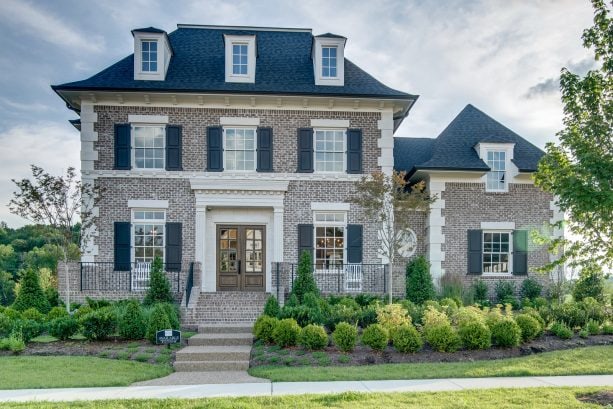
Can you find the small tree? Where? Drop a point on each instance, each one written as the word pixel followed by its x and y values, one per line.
pixel 159 286
pixel 304 282
pixel 31 295
pixel 388 201
pixel 419 281
pixel 590 283
pixel 132 324
pixel 57 201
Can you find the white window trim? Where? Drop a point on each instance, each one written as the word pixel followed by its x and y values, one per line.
pixel 148 205
pixel 498 226
pixel 255 149
pixel 329 123
pixel 248 40
pixel 134 221
pixel 342 224
pixel 331 207
pixel 133 149
pixel 510 272
pixel 148 119
pixel 164 54
pixel 231 121
pixel 339 43
pixel 344 152
pixel 510 169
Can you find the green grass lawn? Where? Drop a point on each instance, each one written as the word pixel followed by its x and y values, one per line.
pixel 536 398
pixel 25 372
pixel 580 361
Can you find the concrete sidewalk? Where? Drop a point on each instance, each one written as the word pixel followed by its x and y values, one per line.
pixel 297 388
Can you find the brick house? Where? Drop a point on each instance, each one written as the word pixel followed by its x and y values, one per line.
pixel 227 151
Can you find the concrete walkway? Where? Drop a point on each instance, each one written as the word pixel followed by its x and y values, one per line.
pixel 298 388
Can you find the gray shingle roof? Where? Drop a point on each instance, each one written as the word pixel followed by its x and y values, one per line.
pixel 283 66
pixel 454 149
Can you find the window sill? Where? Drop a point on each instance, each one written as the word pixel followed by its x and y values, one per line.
pixel 497 275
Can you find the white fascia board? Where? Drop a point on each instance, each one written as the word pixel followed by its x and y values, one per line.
pixel 330 206
pixel 148 119
pixel 498 225
pixel 329 123
pixel 148 204
pixel 239 121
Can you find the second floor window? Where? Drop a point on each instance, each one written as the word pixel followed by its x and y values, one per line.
pixel 496 177
pixel 329 150
pixel 149 149
pixel 149 56
pixel 148 235
pixel 328 62
pixel 239 59
pixel 239 148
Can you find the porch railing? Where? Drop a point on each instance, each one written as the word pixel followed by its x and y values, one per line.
pixel 132 277
pixel 346 278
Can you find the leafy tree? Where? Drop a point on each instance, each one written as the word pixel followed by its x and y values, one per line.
pixel 59 202
pixel 579 170
pixel 590 283
pixel 159 286
pixel 9 259
pixel 304 282
pixel 31 294
pixel 7 287
pixel 389 201
pixel 419 281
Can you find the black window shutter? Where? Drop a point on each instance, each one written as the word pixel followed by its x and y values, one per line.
pixel 305 239
pixel 123 159
pixel 475 252
pixel 174 246
pixel 354 151
pixel 520 252
pixel 122 246
pixel 305 150
pixel 354 243
pixel 264 150
pixel 215 149
pixel 173 147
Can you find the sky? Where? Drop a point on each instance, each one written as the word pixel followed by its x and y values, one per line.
pixel 502 56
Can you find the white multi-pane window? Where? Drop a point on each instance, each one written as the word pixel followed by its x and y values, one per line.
pixel 329 150
pixel 496 252
pixel 240 59
pixel 239 148
pixel 148 235
pixel 149 147
pixel 496 177
pixel 328 62
pixel 149 55
pixel 329 239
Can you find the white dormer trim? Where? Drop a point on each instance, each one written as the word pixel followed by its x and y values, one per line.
pixel 248 40
pixel 511 170
pixel 164 54
pixel 339 43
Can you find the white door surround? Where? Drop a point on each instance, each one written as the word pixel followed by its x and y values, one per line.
pixel 237 201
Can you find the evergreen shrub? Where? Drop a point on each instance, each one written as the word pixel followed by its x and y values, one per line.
pixel 345 336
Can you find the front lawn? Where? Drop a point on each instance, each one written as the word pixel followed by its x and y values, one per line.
pixel 534 398
pixel 580 361
pixel 35 372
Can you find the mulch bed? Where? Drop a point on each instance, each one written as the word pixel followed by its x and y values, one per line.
pixel 603 398
pixel 363 355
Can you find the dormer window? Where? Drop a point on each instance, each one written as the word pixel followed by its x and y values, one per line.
pixel 152 54
pixel 240 58
pixel 329 59
pixel 498 157
pixel 149 55
pixel 328 62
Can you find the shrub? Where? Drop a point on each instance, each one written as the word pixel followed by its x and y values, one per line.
pixel 304 282
pixel 561 330
pixel 29 329
pixel 392 315
pixel 57 312
pixel 97 303
pixel 539 302
pixel 467 315
pixel 406 338
pixel 33 314
pixel 368 316
pixel 451 286
pixel 450 305
pixel 530 288
pixel 569 313
pixel 438 331
pixel 364 299
pixel 584 333
pixel 159 286
pixel 505 291
pixel 313 337
pixel 264 327
pixel 376 336
pixel 593 310
pixel 530 327
pixel 272 307
pixel 158 321
pixel 415 311
pixel 341 313
pixel 345 336
pixel 592 327
pixel 98 324
pixel 5 325
pixel 16 343
pixel 303 314
pixel 607 328
pixel 63 327
pixel 286 332
pixel 173 315
pixel 475 335
pixel 419 286
pixel 506 333
pixel 31 295
pixel 479 288
pixel 132 323
pixel 535 314
pixel 12 313
pixel 82 311
pixel 590 283
pixel 493 316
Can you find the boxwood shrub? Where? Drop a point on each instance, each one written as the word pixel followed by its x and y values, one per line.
pixel 286 332
pixel 158 321
pixel 561 330
pixel 313 337
pixel 406 338
pixel 57 312
pixel 506 333
pixel 530 327
pixel 99 324
pixel 376 337
pixel 132 323
pixel 264 327
pixel 345 336
pixel 63 327
pixel 475 335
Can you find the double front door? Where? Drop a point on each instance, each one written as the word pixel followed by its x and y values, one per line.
pixel 241 260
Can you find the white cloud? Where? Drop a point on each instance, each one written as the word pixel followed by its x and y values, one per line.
pixel 52 146
pixel 48 27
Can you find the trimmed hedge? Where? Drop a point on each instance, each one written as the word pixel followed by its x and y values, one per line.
pixel 406 338
pixel 376 337
pixel 506 333
pixel 345 336
pixel 313 337
pixel 286 332
pixel 63 327
pixel 264 327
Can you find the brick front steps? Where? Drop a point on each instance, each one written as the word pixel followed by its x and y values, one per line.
pixel 228 307
pixel 216 347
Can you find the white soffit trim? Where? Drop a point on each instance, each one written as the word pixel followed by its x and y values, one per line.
pixel 148 119
pixel 330 123
pixel 330 206
pixel 148 204
pixel 239 184
pixel 498 225
pixel 225 120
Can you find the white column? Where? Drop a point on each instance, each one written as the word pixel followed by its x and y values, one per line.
pixel 278 242
pixel 201 239
pixel 436 238
pixel 386 142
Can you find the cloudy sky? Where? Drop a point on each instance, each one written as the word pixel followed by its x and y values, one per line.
pixel 502 56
